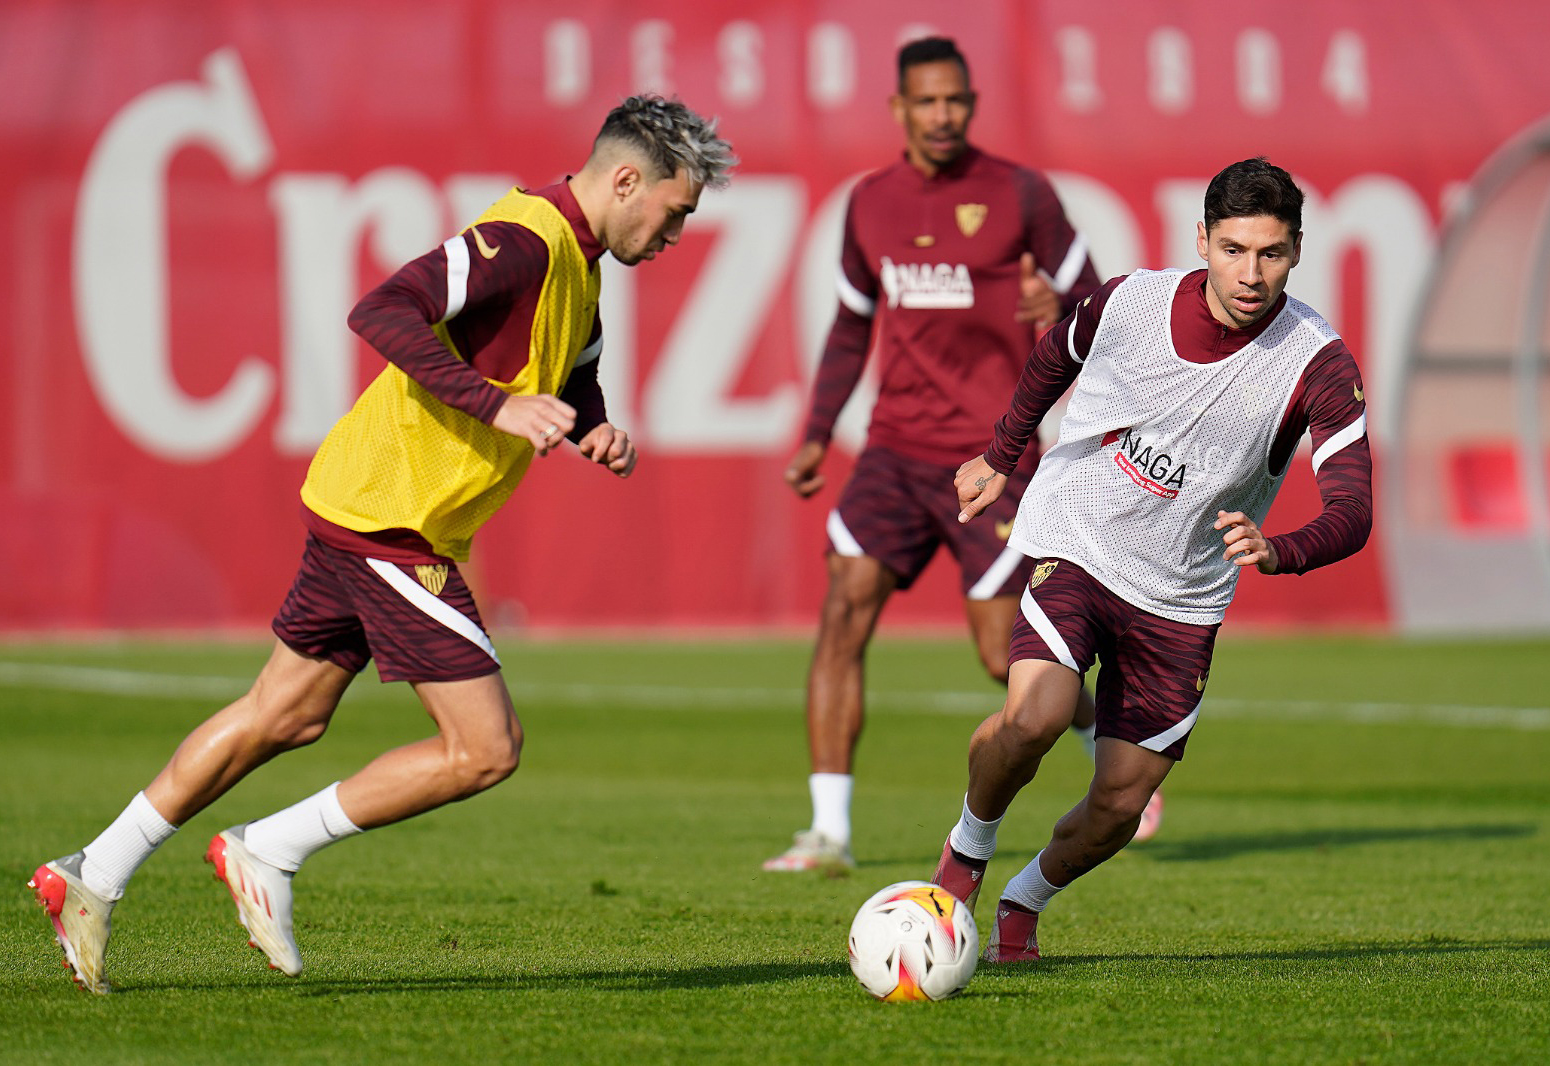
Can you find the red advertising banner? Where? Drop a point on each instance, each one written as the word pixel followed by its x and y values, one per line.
pixel 196 194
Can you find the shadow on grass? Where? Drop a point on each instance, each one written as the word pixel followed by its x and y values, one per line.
pixel 1227 846
pixel 996 980
pixel 649 979
pixel 1212 848
pixel 1205 964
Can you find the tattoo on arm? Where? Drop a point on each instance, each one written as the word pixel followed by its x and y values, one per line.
pixel 981 482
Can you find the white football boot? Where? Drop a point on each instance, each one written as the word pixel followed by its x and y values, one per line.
pixel 82 919
pixel 263 896
pixel 812 850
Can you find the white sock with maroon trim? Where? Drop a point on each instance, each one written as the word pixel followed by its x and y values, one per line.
pixel 286 838
pixel 1030 888
pixel 111 860
pixel 973 838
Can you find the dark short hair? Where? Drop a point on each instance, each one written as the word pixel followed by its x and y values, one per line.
pixel 930 50
pixel 1254 187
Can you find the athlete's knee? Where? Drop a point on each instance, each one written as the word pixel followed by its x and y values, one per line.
pixel 299 731
pixel 1031 727
pixel 849 602
pixel 995 663
pixel 510 753
pixel 473 770
pixel 1116 804
pixel 288 711
pixel 274 724
pixel 858 588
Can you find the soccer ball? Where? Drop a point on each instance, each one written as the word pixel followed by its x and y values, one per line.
pixel 913 941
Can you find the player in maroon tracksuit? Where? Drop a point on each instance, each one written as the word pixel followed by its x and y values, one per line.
pixel 953 262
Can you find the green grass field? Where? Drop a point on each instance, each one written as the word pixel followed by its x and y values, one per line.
pixel 1355 868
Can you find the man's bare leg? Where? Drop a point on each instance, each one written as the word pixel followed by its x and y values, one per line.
pixel 991 620
pixel 1092 832
pixel 1105 819
pixel 478 743
pixel 859 587
pixel 1004 755
pixel 1007 748
pixel 990 623
pixel 288 705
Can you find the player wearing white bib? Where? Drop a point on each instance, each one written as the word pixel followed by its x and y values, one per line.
pixel 1191 393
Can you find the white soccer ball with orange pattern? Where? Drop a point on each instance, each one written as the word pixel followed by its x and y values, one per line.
pixel 913 941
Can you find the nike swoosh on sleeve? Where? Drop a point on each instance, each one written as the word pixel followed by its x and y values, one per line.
pixel 484 249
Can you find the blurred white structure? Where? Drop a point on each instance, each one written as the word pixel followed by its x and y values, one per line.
pixel 1463 492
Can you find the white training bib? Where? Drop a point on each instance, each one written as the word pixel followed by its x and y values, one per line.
pixel 1152 446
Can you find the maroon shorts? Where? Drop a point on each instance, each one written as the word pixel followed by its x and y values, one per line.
pixel 900 510
pixel 1154 669
pixel 418 622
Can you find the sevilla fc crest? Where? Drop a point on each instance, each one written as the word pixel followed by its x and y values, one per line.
pixel 971 217
pixel 432 576
pixel 1040 572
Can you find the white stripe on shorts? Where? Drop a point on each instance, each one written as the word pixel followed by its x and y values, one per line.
pixel 1046 629
pixel 1168 736
pixel 995 576
pixel 840 537
pixel 438 609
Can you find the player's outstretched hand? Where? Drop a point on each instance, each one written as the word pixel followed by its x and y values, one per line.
pixel 611 446
pixel 1037 301
pixel 1246 544
pixel 802 472
pixel 978 487
pixel 543 420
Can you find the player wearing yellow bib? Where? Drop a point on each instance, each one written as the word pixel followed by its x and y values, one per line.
pixel 492 341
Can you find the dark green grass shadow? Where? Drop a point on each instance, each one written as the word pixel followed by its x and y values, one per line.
pixel 646 979
pixel 1218 847
pixel 1182 964
pixel 1215 848
pixel 993 980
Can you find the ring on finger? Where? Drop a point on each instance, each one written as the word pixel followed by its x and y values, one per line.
pixel 549 431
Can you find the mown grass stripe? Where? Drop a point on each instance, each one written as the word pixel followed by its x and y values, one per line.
pixel 105 681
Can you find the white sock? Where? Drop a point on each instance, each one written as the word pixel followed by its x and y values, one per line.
pixel 1089 739
pixel 1030 888
pixel 973 838
pixel 286 838
pixel 113 857
pixel 831 804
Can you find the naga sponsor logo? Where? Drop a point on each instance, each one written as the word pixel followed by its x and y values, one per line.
pixel 927 286
pixel 1146 464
